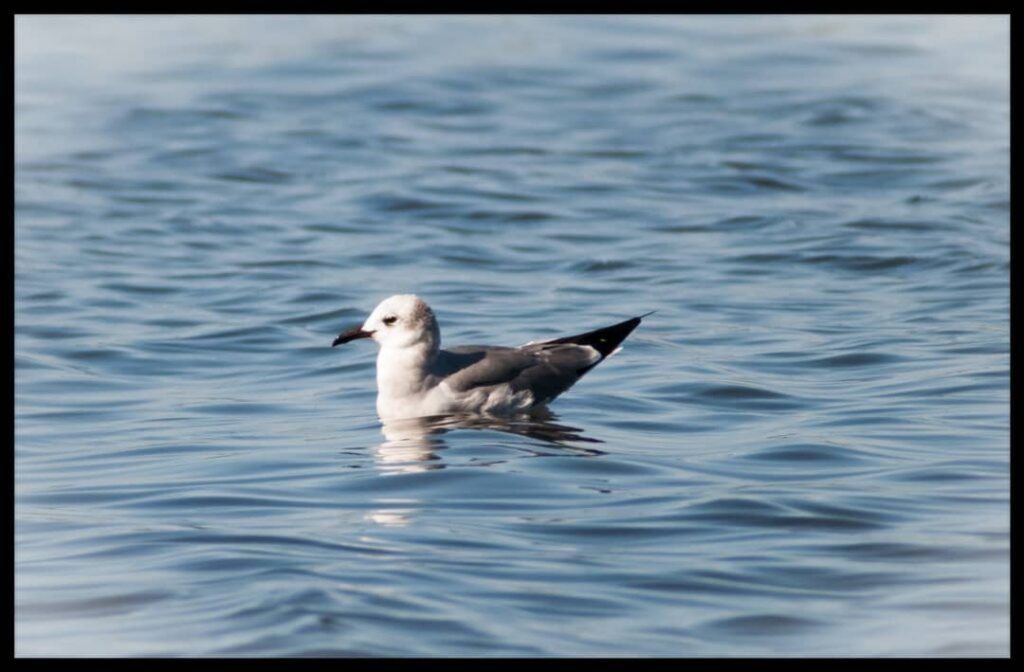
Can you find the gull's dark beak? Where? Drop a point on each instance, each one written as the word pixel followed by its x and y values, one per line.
pixel 351 335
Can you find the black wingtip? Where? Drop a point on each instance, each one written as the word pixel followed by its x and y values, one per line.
pixel 606 339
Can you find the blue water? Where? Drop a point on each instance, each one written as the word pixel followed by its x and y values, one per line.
pixel 804 451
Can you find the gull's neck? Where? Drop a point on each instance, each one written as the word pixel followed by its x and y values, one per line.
pixel 404 371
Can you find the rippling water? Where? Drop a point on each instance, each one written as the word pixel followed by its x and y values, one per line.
pixel 803 452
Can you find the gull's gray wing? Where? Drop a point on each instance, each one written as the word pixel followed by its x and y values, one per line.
pixel 544 369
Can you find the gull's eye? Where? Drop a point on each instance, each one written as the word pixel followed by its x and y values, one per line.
pixel 389 320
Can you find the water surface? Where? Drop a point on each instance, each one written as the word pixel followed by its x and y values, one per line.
pixel 804 451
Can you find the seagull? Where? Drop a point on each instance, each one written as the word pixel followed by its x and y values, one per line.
pixel 416 378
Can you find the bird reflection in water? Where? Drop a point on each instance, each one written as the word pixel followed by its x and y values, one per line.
pixel 415 444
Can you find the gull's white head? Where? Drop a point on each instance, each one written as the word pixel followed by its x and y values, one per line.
pixel 400 321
